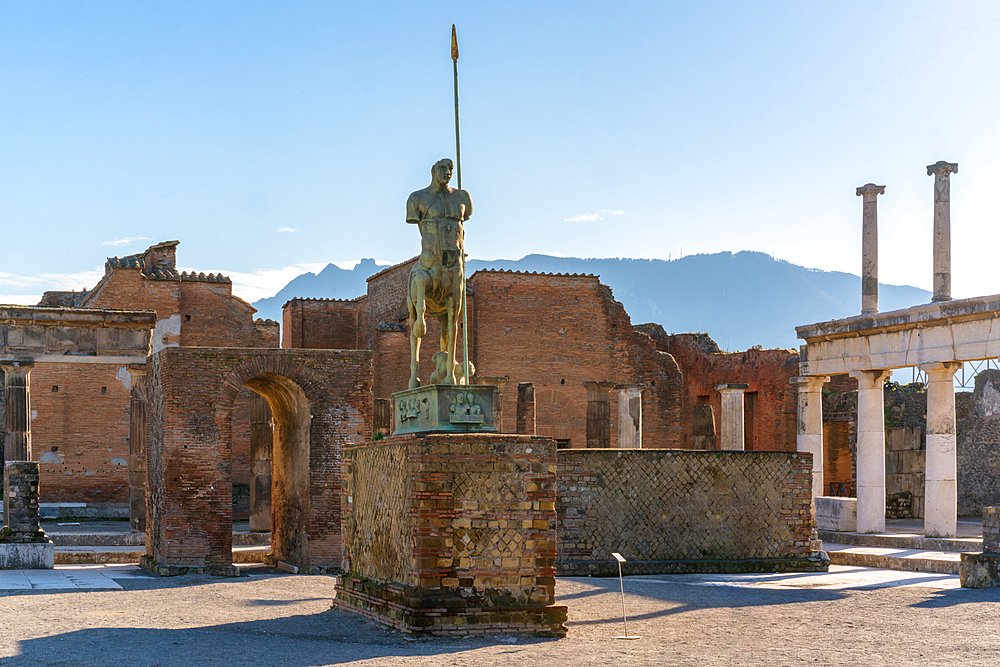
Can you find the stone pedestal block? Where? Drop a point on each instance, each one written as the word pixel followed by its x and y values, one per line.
pixel 23 544
pixel 444 407
pixel 27 556
pixel 452 534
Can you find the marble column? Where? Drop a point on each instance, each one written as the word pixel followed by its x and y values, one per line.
pixel 869 246
pixel 810 425
pixel 732 415
pixel 498 381
pixel 599 414
pixel 871 450
pixel 940 466
pixel 17 398
pixel 261 444
pixel 630 416
pixel 525 424
pixel 941 171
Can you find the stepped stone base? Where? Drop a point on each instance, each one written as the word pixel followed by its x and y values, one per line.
pixel 444 611
pixel 27 556
pixel 147 562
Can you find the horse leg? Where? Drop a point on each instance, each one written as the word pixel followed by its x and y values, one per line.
pixel 450 321
pixel 416 308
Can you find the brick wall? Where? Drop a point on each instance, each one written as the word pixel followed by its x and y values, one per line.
pixel 80 431
pixel 190 395
pixel 462 525
pixel 323 324
pixel 674 511
pixel 386 301
pixel 770 403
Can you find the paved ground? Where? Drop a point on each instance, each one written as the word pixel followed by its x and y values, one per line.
pixel 851 616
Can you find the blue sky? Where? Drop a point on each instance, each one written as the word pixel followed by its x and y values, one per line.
pixel 589 129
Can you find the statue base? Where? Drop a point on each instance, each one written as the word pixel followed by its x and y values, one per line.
pixel 444 408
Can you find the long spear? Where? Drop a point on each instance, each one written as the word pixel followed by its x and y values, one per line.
pixel 458 164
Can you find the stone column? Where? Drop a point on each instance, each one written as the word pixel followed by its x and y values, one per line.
pixel 599 413
pixel 23 543
pixel 498 381
pixel 940 476
pixel 525 409
pixel 630 416
pixel 137 451
pixel 261 442
pixel 869 247
pixel 871 450
pixel 810 425
pixel 942 228
pixel 17 441
pixel 732 415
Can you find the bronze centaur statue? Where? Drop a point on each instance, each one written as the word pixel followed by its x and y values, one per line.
pixel 437 281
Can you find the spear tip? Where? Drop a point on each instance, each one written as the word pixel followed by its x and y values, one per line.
pixel 454 43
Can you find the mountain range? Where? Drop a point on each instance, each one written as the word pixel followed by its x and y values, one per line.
pixel 740 300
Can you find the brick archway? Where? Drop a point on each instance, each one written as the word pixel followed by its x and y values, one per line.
pixel 320 400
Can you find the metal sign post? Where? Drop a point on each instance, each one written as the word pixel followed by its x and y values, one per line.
pixel 621 581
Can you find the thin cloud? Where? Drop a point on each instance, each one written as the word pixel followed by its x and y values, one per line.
pixel 287 229
pixel 128 240
pixel 597 215
pixel 27 290
pixel 264 282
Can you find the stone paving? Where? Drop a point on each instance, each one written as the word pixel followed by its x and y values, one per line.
pixel 849 616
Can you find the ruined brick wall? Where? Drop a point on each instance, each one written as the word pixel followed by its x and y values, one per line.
pixel 559 331
pixel 386 300
pixel 192 392
pixel 212 316
pixel 770 403
pixel 681 506
pixel 391 359
pixel 80 431
pixel 323 324
pixel 469 516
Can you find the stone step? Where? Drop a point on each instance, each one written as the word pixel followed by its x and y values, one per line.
pixel 130 539
pixel 93 555
pixel 909 560
pixel 903 541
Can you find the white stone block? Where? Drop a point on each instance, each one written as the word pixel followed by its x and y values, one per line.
pixel 837 513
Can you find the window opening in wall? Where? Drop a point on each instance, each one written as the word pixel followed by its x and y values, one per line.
pixel 54 388
pixel 563 381
pixel 104 390
pixel 562 444
pixel 187 318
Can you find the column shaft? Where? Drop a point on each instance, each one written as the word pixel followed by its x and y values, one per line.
pixel 732 416
pixel 629 416
pixel 525 409
pixel 869 246
pixel 261 443
pixel 810 426
pixel 871 451
pixel 598 414
pixel 17 397
pixel 942 228
pixel 941 468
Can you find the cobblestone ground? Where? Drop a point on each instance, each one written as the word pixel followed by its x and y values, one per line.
pixel 851 616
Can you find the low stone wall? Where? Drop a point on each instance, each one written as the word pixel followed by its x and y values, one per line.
pixel 452 534
pixel 685 511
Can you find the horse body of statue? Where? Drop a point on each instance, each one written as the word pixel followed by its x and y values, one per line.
pixel 437 281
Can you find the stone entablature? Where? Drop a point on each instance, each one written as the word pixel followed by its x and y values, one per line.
pixel 75 334
pixel 958 330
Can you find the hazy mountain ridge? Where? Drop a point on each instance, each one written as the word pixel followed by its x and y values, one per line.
pixel 741 300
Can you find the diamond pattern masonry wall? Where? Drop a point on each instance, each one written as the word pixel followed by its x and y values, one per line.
pixel 685 511
pixel 452 534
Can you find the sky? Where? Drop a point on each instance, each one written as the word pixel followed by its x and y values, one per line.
pixel 274 138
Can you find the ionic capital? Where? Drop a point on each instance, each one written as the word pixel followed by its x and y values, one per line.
pixel 942 169
pixel 870 191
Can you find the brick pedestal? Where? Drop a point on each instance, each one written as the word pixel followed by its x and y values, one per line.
pixel 452 534
pixel 23 544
